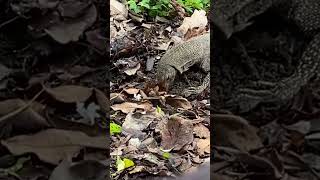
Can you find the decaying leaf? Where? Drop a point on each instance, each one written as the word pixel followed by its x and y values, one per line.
pixel 86 169
pixel 132 90
pixel 128 107
pixel 135 123
pixel 201 131
pixel 176 132
pixel 203 146
pixel 178 102
pixel 133 70
pixel 25 121
pixel 70 93
pixel 231 130
pixel 71 29
pixel 53 145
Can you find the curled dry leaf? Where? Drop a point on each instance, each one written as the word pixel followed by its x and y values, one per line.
pixel 70 93
pixel 178 102
pixel 234 131
pixel 128 107
pixel 201 131
pixel 116 98
pixel 53 145
pixel 176 132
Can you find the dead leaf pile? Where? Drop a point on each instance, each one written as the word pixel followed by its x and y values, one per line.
pixel 148 133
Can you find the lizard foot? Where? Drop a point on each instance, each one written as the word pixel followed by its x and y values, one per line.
pixel 247 99
pixel 244 102
pixel 192 91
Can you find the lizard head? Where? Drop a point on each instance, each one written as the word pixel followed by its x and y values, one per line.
pixel 231 16
pixel 166 76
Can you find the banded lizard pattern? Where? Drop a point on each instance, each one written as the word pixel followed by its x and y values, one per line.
pixel 195 51
pixel 306 15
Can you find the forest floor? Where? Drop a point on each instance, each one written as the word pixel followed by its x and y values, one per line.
pixel 53 90
pixel 153 132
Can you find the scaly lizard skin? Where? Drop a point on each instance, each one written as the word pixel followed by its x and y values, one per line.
pixel 195 51
pixel 306 15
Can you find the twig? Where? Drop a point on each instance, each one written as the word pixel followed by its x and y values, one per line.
pixel 19 110
pixel 8 22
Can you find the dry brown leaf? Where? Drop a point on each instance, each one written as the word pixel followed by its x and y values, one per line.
pixel 128 107
pixel 70 93
pixel 201 131
pixel 132 90
pixel 197 20
pixel 102 100
pixel 203 146
pixel 71 29
pixel 73 72
pixel 85 169
pixel 118 10
pixel 176 133
pixel 53 145
pixel 137 169
pixel 135 123
pixel 116 98
pixel 26 121
pixel 234 131
pixel 133 70
pixel 178 102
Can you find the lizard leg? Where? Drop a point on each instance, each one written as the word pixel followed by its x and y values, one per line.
pixel 186 79
pixel 267 84
pixel 199 89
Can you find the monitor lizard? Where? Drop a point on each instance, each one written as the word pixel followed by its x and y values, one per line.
pixel 195 51
pixel 306 15
pixel 228 16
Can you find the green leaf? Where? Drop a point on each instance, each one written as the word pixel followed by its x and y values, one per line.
pixel 145 3
pixel 128 163
pixel 115 128
pixel 133 6
pixel 123 164
pixel 120 164
pixel 197 4
pixel 158 110
pixel 166 155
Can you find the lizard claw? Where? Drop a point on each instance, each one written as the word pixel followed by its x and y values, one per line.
pixel 192 91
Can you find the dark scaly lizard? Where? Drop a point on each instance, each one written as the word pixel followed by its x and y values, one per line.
pixel 229 16
pixel 306 15
pixel 195 51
